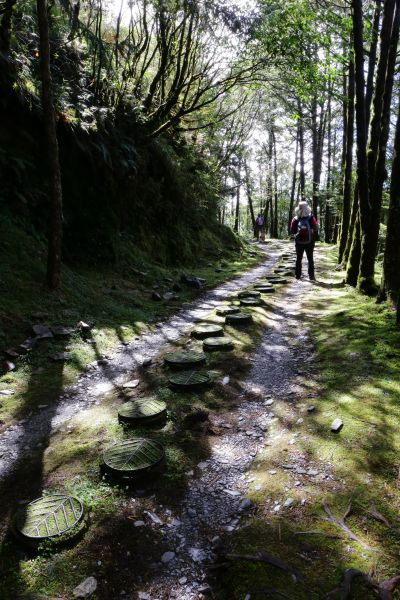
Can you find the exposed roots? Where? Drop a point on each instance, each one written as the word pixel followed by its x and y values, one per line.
pixel 266 558
pixel 384 590
pixel 341 522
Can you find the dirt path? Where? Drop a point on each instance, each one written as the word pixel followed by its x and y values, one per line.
pixel 216 501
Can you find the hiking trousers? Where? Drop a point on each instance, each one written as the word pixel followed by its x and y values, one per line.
pixel 309 250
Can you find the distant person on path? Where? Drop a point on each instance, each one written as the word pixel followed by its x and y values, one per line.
pixel 304 226
pixel 260 228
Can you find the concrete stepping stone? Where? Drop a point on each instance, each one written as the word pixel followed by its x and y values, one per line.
pixel 218 343
pixel 184 360
pixel 250 302
pixel 189 380
pixel 142 411
pixel 48 517
pixel 204 331
pixel 239 319
pixel 227 310
pixel 133 458
pixel 248 294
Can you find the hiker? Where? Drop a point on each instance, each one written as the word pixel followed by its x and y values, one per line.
pixel 305 227
pixel 259 229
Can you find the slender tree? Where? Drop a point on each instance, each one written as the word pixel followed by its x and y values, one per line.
pixel 53 162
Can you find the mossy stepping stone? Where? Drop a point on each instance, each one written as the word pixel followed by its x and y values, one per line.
pixel 227 310
pixel 250 302
pixel 280 280
pixel 261 286
pixel 266 289
pixel 142 411
pixel 271 277
pixel 222 344
pixel 249 294
pixel 189 380
pixel 239 319
pixel 279 270
pixel 201 332
pixel 184 360
pixel 133 457
pixel 48 517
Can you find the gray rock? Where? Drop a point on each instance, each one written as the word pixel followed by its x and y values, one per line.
pixel 86 588
pixel 337 425
pixel 42 332
pixel 61 331
pixel 61 356
pixel 144 596
pixel 196 554
pixel 133 383
pixel 7 392
pixel 289 502
pixel 167 557
pixel 147 362
pixel 153 517
pixel 156 296
pixel 204 589
pixel 245 504
pixel 311 409
pixel 182 580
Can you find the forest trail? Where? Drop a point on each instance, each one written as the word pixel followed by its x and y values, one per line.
pixel 216 499
pixel 253 478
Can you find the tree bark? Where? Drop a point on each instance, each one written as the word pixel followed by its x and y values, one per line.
pixel 348 169
pixel 249 195
pixel 294 180
pixel 55 222
pixel 275 186
pixel 390 286
pixel 302 177
pixel 237 207
pixel 361 129
pixel 380 125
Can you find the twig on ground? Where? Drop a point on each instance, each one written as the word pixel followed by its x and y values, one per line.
pixel 267 558
pixel 332 536
pixel 375 514
pixel 384 590
pixel 344 588
pixel 341 522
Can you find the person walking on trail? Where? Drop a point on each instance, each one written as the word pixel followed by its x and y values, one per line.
pixel 260 228
pixel 304 226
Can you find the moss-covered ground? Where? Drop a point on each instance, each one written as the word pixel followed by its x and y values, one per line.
pixel 355 376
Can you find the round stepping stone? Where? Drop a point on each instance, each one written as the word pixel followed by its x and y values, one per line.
pixel 184 360
pixel 266 290
pixel 133 457
pixel 259 287
pixel 271 277
pixel 279 270
pixel 224 343
pixel 142 411
pixel 227 310
pixel 189 380
pixel 239 319
pixel 250 302
pixel 48 517
pixel 248 294
pixel 202 332
pixel 280 280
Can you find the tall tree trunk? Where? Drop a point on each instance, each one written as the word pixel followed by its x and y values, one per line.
pixel 361 129
pixel 380 125
pixel 353 264
pixel 249 195
pixel 55 228
pixel 294 180
pixel 390 286
pixel 237 207
pixel 352 222
pixel 372 58
pixel 275 186
pixel 348 170
pixel 302 177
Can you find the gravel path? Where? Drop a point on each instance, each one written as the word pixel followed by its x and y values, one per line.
pixel 31 433
pixel 216 501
